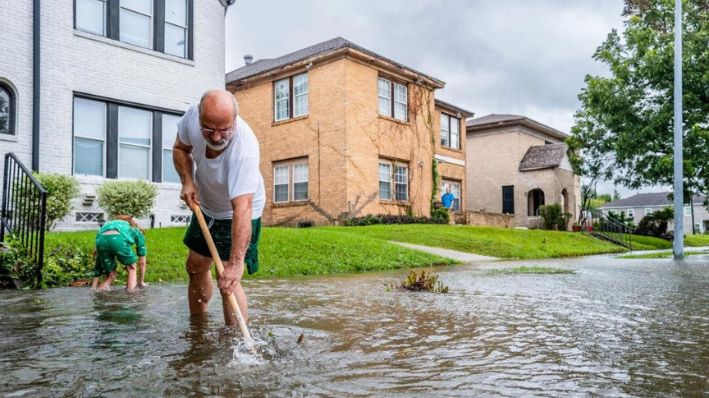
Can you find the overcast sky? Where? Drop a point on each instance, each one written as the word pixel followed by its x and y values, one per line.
pixel 508 56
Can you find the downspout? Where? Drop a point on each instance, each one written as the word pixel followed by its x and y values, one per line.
pixel 36 17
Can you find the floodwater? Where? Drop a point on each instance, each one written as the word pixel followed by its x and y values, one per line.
pixel 615 328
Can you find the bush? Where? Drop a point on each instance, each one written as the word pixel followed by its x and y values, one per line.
pixel 66 264
pixel 16 262
pixel 655 223
pixel 61 189
pixel 440 215
pixel 372 219
pixel 132 198
pixel 553 218
pixel 422 282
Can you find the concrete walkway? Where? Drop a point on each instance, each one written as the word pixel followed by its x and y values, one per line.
pixel 454 254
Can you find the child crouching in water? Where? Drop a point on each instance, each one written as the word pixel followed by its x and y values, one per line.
pixel 115 241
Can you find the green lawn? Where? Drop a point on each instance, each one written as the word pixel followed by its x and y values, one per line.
pixel 284 252
pixel 696 240
pixel 662 254
pixel 496 242
pixel 641 242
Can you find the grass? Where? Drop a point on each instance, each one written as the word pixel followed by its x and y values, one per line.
pixel 641 242
pixel 532 270
pixel 496 242
pixel 284 252
pixel 663 254
pixel 696 240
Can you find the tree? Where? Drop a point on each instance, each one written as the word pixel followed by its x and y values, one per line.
pixel 624 128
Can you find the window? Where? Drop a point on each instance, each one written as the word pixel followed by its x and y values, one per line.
pixel 395 105
pixel 169 134
pixel 648 211
pixel 455 190
pixel 123 141
pixel 290 97
pixel 7 110
pixel 290 181
pixel 393 174
pixel 89 136
pixel 508 199
pixel 631 213
pixel 176 28
pixel 687 211
pixel 160 25
pixel 450 131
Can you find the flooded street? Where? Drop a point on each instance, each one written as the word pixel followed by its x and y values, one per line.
pixel 616 327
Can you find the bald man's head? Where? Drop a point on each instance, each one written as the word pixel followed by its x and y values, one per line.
pixel 217 116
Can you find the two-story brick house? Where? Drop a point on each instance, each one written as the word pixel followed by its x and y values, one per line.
pixel 98 92
pixel 346 132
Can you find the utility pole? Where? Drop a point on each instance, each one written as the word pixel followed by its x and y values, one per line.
pixel 678 243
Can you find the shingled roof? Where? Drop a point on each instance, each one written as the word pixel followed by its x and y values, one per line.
pixel 497 120
pixel 653 199
pixel 543 157
pixel 265 65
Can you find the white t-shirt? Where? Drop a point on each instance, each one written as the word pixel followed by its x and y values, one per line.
pixel 233 173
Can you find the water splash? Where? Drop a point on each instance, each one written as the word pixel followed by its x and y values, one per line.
pixel 250 353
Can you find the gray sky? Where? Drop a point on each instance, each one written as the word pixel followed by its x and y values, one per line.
pixel 508 56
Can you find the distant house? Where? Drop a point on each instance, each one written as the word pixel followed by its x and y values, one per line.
pixel 111 80
pixel 515 165
pixel 642 204
pixel 345 132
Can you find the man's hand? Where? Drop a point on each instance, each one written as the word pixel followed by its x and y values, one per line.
pixel 189 195
pixel 230 277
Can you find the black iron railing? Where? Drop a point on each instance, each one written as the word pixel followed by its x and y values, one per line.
pixel 24 213
pixel 594 222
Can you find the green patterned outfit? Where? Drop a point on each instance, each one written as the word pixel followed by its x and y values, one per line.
pixel 110 248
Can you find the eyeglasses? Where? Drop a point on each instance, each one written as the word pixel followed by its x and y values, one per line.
pixel 207 131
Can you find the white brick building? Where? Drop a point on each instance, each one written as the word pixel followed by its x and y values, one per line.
pixel 114 77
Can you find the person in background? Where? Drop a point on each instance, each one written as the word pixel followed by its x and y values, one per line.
pixel 115 241
pixel 447 201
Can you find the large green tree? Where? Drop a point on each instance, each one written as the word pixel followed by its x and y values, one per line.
pixel 624 129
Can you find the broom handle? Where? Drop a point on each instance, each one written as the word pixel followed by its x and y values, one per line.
pixel 220 270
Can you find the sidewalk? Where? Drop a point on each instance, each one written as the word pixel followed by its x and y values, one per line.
pixel 454 254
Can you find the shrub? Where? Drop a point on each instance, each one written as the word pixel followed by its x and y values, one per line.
pixel 422 282
pixel 61 189
pixel 440 215
pixel 133 198
pixel 655 223
pixel 66 264
pixel 372 219
pixel 16 262
pixel 552 216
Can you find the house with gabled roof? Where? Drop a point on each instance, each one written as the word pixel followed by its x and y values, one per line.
pixel 345 132
pixel 515 165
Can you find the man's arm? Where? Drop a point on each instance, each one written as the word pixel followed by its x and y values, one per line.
pixel 182 158
pixel 240 239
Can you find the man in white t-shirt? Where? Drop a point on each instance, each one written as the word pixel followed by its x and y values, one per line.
pixel 217 158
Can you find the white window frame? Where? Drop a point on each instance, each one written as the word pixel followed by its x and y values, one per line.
pixel 119 144
pixel 630 213
pixel 449 131
pixel 290 165
pixel 290 97
pixel 393 166
pixel 648 211
pixel 392 100
pixel 151 37
pixel 103 19
pixel 687 211
pixel 186 28
pixel 445 182
pixel 388 164
pixel 103 147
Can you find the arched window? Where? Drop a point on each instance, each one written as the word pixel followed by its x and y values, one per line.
pixel 535 199
pixel 7 109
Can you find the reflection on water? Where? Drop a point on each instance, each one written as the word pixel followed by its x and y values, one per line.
pixel 615 328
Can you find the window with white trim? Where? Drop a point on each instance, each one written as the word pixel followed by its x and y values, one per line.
pixel 176 27
pixel 450 131
pixel 631 213
pixel 7 110
pixel 136 22
pixel 89 137
pixel 687 211
pixel 169 134
pixel 393 99
pixel 135 131
pixel 290 97
pixel 91 16
pixel 455 190
pixel 290 181
pixel 648 211
pixel 393 175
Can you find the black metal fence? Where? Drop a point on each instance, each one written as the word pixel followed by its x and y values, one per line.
pixel 24 213
pixel 596 223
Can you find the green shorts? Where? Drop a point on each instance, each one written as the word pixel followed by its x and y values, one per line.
pixel 110 248
pixel 221 235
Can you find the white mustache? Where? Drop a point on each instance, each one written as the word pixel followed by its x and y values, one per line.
pixel 217 147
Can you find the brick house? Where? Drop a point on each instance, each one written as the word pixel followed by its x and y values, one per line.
pixel 515 164
pixel 111 80
pixel 346 132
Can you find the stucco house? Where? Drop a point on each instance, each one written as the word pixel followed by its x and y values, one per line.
pixel 515 165
pixel 345 132
pixel 99 90
pixel 642 204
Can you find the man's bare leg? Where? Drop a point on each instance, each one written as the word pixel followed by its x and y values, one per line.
pixel 229 316
pixel 199 289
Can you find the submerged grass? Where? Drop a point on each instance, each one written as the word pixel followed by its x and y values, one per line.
pixel 496 242
pixel 284 252
pixel 532 269
pixel 663 254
